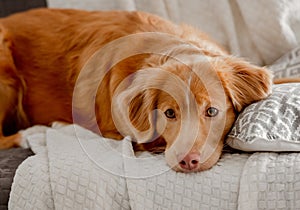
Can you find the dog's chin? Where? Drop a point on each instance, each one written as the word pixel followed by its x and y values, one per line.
pixel 202 167
pixel 177 168
pixel 208 164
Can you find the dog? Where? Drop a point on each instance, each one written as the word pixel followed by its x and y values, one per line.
pixel 182 100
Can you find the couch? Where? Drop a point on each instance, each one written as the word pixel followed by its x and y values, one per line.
pixel 72 176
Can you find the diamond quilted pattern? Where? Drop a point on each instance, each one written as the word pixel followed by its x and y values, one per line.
pixel 213 189
pixel 9 161
pixel 64 177
pixel 271 181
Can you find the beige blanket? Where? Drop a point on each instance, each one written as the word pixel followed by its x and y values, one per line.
pixel 76 169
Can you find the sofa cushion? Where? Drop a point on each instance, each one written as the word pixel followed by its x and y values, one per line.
pixel 272 124
pixel 288 65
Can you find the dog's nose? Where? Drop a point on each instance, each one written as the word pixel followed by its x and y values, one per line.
pixel 190 161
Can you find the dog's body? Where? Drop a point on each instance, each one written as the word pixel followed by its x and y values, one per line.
pixel 43 51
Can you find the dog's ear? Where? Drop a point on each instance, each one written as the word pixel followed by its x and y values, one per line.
pixel 141 108
pixel 245 83
pixel 134 110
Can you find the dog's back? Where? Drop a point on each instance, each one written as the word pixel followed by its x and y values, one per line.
pixel 42 52
pixel 47 49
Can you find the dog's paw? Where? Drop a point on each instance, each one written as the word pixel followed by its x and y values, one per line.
pixel 7 142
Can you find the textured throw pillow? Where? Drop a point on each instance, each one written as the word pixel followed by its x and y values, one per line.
pixel 272 124
pixel 288 65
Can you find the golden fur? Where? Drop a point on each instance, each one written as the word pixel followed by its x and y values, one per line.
pixel 42 52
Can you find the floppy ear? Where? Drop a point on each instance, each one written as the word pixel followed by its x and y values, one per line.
pixel 134 105
pixel 140 110
pixel 245 83
pixel 143 115
pixel 134 113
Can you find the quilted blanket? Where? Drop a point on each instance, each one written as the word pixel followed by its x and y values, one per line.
pixel 76 169
pixel 10 159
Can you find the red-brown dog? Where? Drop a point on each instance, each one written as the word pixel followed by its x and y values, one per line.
pixel 43 51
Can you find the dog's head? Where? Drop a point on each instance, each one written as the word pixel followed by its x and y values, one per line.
pixel 186 109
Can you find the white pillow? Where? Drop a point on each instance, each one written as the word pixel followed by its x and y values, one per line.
pixel 272 124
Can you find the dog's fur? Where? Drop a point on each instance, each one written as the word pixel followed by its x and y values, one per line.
pixel 41 55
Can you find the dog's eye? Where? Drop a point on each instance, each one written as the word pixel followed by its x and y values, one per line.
pixel 212 112
pixel 170 113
